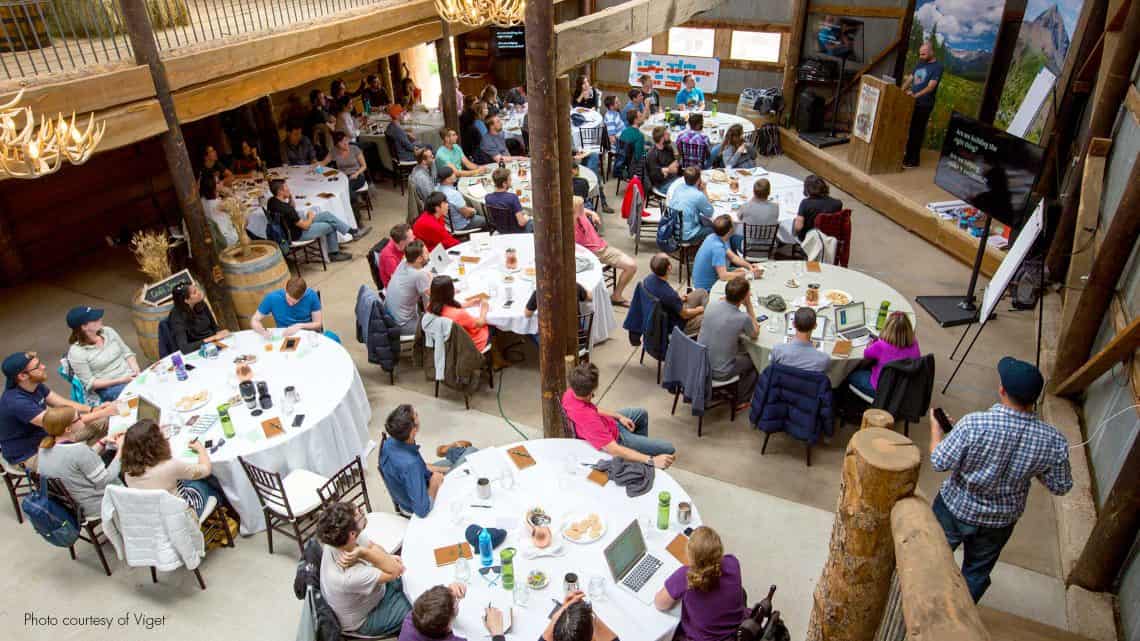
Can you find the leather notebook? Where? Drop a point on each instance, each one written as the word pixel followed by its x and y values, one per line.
pixel 841 348
pixel 598 476
pixel 272 427
pixel 679 548
pixel 520 457
pixel 448 554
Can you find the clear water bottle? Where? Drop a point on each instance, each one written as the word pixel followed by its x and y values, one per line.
pixel 179 367
pixel 486 552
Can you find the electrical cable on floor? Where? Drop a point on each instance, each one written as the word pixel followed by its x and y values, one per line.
pixel 1103 424
pixel 499 399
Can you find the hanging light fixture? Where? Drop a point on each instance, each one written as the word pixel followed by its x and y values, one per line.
pixel 30 151
pixel 476 13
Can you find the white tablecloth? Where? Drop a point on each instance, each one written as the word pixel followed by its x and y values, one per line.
pixel 858 285
pixel 336 409
pixel 424 126
pixel 548 484
pixel 476 188
pixel 787 191
pixel 592 119
pixel 715 126
pixel 488 276
pixel 305 184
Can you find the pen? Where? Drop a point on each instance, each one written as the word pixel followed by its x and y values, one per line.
pixel 482 506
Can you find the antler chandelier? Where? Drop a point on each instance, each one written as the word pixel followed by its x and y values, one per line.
pixel 476 13
pixel 28 151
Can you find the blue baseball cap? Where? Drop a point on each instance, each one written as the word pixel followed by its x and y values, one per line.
pixel 13 365
pixel 79 316
pixel 1022 381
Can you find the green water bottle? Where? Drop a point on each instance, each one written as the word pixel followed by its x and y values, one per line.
pixel 507 560
pixel 716 107
pixel 227 424
pixel 884 307
pixel 663 510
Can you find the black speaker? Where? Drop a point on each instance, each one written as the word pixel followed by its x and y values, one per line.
pixel 809 111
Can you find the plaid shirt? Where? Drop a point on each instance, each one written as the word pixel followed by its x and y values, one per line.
pixel 992 456
pixel 694 147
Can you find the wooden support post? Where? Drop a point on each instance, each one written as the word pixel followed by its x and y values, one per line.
pixel 206 264
pixel 936 602
pixel 447 80
pixel 567 298
pixel 881 467
pixel 1123 345
pixel 1083 251
pixel 386 77
pixel 792 56
pixel 549 264
pixel 877 418
pixel 906 23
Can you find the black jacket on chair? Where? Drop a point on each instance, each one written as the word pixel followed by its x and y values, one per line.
pixel 377 329
pixel 905 388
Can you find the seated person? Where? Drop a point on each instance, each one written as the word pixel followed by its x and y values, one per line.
pixel 614 118
pixel 25 402
pixel 408 287
pixel 213 165
pixel 715 258
pixel 442 303
pixel 248 161
pixel 575 621
pixel 433 616
pixel 624 434
pixel 348 157
pixel 694 144
pixel 64 455
pixel 148 464
pixel 690 96
pixel 816 201
pixel 298 149
pixel 429 226
pixel 631 143
pixel 800 352
pixel 724 324
pixel 373 93
pixel 689 307
pixel 398 238
pixel 532 303
pixel 493 146
pixel 896 342
pixel 313 224
pixel 661 161
pixel 692 200
pixel 403 141
pixel 636 103
pixel 191 322
pixel 463 216
pixel 412 482
pixel 294 308
pixel 423 174
pixel 710 590
pixel 212 206
pixel 360 581
pixel 504 198
pixel 472 129
pixel 759 210
pixel 586 236
pixel 736 153
pixel 450 154
pixel 649 94
pixel 97 354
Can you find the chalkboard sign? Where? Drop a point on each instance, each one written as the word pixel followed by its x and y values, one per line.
pixel 161 292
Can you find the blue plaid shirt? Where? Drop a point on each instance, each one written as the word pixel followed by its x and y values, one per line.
pixel 614 122
pixel 992 456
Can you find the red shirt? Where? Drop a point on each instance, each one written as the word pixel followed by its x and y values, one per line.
pixel 591 426
pixel 389 259
pixel 430 229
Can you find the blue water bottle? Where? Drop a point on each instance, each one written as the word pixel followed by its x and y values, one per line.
pixel 179 368
pixel 486 556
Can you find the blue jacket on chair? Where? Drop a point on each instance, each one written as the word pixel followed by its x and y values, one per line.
pixel 794 401
pixel 377 329
pixel 648 319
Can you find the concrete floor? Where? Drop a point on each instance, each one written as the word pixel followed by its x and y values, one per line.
pixel 773 512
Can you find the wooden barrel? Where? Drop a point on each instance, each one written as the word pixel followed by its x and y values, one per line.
pixel 23 26
pixel 146 318
pixel 251 276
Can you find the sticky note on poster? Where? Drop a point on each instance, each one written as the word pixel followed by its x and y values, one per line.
pixel 667 71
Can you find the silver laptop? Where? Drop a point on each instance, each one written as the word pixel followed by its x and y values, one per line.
pixel 633 568
pixel 149 411
pixel 851 321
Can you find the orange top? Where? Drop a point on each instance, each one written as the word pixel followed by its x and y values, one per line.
pixel 480 335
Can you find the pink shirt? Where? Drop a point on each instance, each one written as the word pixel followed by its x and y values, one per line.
pixel 390 258
pixel 585 234
pixel 589 425
pixel 883 352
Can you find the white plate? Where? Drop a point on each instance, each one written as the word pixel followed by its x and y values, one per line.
pixel 178 406
pixel 824 299
pixel 586 538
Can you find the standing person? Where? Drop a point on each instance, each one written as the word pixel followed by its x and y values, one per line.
pixel 817 200
pixel 398 238
pixel 923 86
pixel 443 303
pixel 462 214
pixel 650 94
pixel 896 341
pixel 450 154
pixel 313 224
pixel 408 288
pixel 723 326
pixel 624 434
pixel 63 455
pixel 98 355
pixel 504 198
pixel 800 352
pixel 191 322
pixel 993 457
pixel 633 141
pixel 585 96
pixel 690 96
pixel 429 226
pixel 614 118
pixel 148 464
pixel 412 482
pixel 661 162
pixel 710 590
pixel 587 236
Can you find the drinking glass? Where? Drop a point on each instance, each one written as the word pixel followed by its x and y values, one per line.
pixel 456 511
pixel 521 594
pixel 508 481
pixel 462 570
pixel 596 588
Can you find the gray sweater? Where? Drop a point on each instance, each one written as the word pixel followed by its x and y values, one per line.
pixel 82 472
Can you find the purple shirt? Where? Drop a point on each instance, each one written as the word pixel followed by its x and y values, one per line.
pixel 408 632
pixel 883 352
pixel 714 615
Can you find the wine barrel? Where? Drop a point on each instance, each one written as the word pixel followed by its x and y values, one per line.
pixel 251 273
pixel 146 318
pixel 23 25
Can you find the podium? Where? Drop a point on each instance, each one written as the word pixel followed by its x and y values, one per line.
pixel 882 123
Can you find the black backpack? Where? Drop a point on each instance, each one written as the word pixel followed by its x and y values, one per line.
pixel 308 577
pixel 275 231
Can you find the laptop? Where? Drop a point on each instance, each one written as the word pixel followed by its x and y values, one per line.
pixel 633 568
pixel 149 411
pixel 438 259
pixel 851 321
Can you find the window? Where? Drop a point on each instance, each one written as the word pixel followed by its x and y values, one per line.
pixel 758 46
pixel 684 41
pixel 645 46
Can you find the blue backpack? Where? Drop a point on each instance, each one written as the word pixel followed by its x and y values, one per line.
pixel 667 230
pixel 51 520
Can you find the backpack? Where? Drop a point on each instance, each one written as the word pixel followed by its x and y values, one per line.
pixel 1027 286
pixel 667 231
pixel 307 584
pixel 55 523
pixel 275 232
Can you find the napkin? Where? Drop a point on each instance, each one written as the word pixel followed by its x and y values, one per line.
pixel 478 190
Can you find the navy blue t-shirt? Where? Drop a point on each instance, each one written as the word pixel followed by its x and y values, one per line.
pixel 924 73
pixel 19 438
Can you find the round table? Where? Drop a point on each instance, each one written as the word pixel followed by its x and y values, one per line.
pixel 858 285
pixel 787 192
pixel 306 184
pixel 591 118
pixel 335 408
pixel 558 484
pixel 715 126
pixel 476 188
pixel 489 273
pixel 423 125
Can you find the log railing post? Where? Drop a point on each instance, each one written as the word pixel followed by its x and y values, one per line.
pixel 447 80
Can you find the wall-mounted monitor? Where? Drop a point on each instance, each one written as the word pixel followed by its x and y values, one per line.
pixel 508 42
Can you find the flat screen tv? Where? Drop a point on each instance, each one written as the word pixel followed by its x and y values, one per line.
pixel 508 42
pixel 989 169
pixel 837 37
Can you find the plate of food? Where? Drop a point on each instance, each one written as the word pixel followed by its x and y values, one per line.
pixel 718 176
pixel 329 173
pixel 836 297
pixel 583 528
pixel 191 402
pixel 581 110
pixel 537 580
pixel 326 195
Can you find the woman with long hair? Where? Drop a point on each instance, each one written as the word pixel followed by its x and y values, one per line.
pixel 897 341
pixel 817 200
pixel 349 158
pixel 736 153
pixel 490 97
pixel 584 95
pixel 249 161
pixel 442 303
pixel 65 455
pixel 191 322
pixel 709 589
pixel 212 205
pixel 148 464
pixel 98 355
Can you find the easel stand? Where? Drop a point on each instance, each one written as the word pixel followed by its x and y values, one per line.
pixel 951 311
pixel 822 139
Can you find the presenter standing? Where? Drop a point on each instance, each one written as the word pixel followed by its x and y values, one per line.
pixel 923 86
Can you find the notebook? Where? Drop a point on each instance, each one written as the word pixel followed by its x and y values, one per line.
pixel 520 457
pixel 448 554
pixel 598 476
